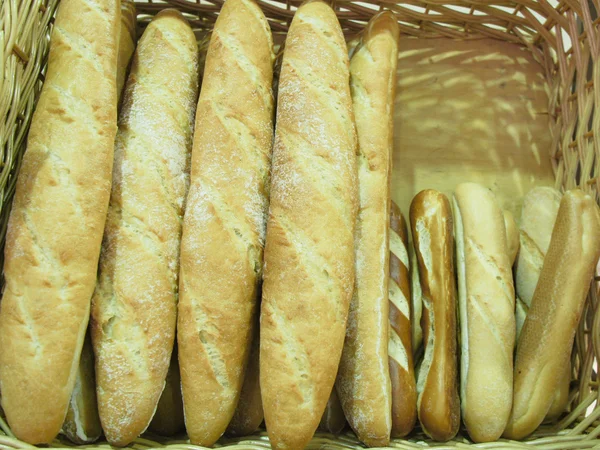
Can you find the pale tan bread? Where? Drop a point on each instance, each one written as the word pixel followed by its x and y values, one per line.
pixel 416 303
pixel 224 224
pixel 538 214
pixel 127 41
pixel 249 411
pixel 333 420
pixel 544 347
pixel 134 308
pixel 309 252
pixel 400 356
pixel 57 219
pixel 486 307
pixel 363 382
pixel 438 403
pixel 168 419
pixel 512 236
pixel 82 423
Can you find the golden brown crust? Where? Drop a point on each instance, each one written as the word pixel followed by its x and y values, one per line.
pixel 168 418
pixel 546 340
pixel 134 305
pixel 127 41
pixel 401 365
pixel 309 253
pixel 486 305
pixel 538 214
pixel 224 224
pixel 363 382
pixel 249 411
pixel 333 420
pixel 57 219
pixel 438 403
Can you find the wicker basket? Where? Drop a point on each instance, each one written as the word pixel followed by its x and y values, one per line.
pixel 564 38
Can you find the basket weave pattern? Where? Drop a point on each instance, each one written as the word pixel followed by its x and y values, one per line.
pixel 564 37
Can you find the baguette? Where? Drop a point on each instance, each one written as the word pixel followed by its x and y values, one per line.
pixel 333 420
pixel 134 306
pixel 309 252
pixel 545 343
pixel 438 404
pixel 402 373
pixel 512 236
pixel 538 215
pixel 486 305
pixel 82 423
pixel 168 419
pixel 249 411
pixel 127 40
pixel 363 382
pixel 224 224
pixel 57 218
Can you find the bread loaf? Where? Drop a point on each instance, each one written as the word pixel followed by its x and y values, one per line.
pixel 546 340
pixel 249 411
pixel 538 214
pixel 512 236
pixel 363 382
pixel 333 420
pixel 168 418
pixel 57 219
pixel 309 252
pixel 82 423
pixel 224 224
pixel 134 306
pixel 402 374
pixel 486 306
pixel 438 404
pixel 127 40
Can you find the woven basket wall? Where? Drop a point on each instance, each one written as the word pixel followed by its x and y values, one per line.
pixel 564 37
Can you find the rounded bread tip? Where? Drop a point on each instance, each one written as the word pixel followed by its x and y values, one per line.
pixel 382 22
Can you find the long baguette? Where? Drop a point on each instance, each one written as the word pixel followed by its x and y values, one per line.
pixel 486 305
pixel 309 252
pixel 546 340
pixel 363 382
pixel 224 224
pixel 538 215
pixel 134 305
pixel 438 404
pixel 402 374
pixel 57 219
pixel 82 423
